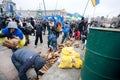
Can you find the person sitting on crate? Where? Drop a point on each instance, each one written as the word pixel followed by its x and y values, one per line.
pixel 12 37
pixel 24 59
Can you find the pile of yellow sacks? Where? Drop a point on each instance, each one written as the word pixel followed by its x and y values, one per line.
pixel 70 58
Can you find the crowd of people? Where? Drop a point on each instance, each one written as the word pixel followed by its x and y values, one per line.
pixel 23 58
pixel 39 28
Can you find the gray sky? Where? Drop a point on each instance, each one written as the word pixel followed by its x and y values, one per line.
pixel 105 8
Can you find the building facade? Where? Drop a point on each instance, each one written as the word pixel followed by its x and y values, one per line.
pixel 7 8
pixel 33 13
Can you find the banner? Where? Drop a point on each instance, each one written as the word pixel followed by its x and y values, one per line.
pixel 69 15
pixel 73 17
pixel 95 2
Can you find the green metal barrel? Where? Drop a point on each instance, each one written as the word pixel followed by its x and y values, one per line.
pixel 102 56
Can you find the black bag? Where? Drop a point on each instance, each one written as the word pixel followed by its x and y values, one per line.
pixel 28 30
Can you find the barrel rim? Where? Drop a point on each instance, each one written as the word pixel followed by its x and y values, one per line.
pixel 107 29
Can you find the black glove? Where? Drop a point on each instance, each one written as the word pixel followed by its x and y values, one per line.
pixel 6 35
pixel 10 36
pixel 3 35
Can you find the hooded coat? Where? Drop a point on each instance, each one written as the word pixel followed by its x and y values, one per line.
pixel 23 54
pixel 17 33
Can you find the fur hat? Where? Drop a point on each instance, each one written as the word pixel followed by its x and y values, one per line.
pixel 12 25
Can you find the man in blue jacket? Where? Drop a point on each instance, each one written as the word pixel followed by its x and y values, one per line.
pixel 12 31
pixel 23 59
pixel 66 31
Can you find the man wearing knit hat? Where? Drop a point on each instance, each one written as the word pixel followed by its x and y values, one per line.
pixel 12 31
pixel 23 59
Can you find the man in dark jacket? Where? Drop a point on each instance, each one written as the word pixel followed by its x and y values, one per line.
pixel 81 25
pixel 39 29
pixel 23 59
pixel 33 24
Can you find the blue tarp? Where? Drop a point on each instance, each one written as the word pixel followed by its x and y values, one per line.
pixel 55 18
pixel 20 16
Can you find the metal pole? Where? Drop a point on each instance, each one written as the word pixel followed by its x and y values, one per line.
pixel 56 6
pixel 44 7
pixel 94 12
pixel 85 7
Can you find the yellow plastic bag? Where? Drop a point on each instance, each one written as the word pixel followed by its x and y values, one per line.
pixel 67 51
pixel 66 62
pixel 70 58
pixel 77 63
pixel 75 54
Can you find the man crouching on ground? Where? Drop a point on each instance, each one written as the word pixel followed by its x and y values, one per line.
pixel 23 59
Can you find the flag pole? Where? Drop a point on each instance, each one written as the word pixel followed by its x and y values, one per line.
pixel 44 7
pixel 85 7
pixel 56 7
pixel 94 12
